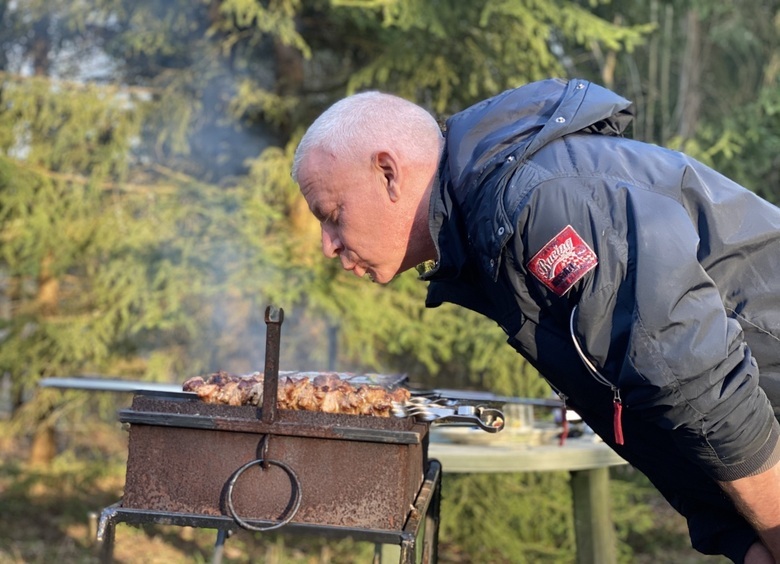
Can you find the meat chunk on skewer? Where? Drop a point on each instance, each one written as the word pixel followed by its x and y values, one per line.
pixel 325 392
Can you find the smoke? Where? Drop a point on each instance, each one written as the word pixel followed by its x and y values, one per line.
pixel 168 60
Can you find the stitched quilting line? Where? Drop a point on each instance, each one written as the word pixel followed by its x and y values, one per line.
pixel 753 325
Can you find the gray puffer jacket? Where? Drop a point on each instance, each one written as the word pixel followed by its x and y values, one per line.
pixel 643 285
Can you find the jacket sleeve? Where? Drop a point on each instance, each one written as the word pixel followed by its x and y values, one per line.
pixel 653 322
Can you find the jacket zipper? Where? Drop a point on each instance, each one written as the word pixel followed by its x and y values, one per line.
pixel 617 403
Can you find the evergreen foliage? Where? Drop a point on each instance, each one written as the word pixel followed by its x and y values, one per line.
pixel 525 516
pixel 704 81
pixel 147 216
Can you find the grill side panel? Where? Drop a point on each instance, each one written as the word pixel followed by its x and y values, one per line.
pixel 349 483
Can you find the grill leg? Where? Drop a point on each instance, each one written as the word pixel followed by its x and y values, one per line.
pixel 408 554
pixel 219 546
pixel 423 523
pixel 430 553
pixel 105 534
pixel 429 536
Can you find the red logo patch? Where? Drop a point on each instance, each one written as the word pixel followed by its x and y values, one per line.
pixel 563 261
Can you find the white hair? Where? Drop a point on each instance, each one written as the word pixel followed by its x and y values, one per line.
pixel 362 122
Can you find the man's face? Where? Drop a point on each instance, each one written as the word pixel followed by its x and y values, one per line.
pixel 360 223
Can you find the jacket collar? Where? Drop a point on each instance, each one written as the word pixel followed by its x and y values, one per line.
pixel 485 144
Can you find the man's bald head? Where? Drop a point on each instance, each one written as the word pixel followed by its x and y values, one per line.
pixel 364 123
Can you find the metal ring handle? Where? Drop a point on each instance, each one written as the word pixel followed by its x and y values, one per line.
pixel 296 484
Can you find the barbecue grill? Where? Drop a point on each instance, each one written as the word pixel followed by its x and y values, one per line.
pixel 223 467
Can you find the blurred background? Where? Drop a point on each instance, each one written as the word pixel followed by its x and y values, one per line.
pixel 147 217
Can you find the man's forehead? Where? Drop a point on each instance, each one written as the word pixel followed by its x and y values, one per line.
pixel 321 156
pixel 317 181
pixel 317 165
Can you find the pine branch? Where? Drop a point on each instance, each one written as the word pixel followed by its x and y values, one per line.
pixel 105 184
pixel 82 85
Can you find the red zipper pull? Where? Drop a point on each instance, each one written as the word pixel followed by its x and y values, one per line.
pixel 617 416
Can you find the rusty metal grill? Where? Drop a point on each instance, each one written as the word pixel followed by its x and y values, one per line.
pixel 224 467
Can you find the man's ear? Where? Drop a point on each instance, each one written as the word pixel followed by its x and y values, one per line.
pixel 387 163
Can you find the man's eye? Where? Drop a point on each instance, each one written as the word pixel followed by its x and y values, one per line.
pixel 332 217
pixel 320 216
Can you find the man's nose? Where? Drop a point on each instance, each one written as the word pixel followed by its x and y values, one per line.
pixel 331 245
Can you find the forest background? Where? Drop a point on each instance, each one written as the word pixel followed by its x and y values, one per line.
pixel 147 218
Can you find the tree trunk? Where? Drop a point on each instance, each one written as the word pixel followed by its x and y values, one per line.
pixel 610 62
pixel 44 445
pixel 15 296
pixel 650 134
pixel 288 62
pixel 40 47
pixel 665 79
pixel 289 69
pixel 689 93
pixel 48 295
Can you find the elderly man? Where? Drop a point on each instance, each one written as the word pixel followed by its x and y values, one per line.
pixel 641 284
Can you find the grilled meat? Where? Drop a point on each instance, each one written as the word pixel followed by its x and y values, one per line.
pixel 326 392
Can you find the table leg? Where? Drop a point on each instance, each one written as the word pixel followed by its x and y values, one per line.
pixel 594 530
